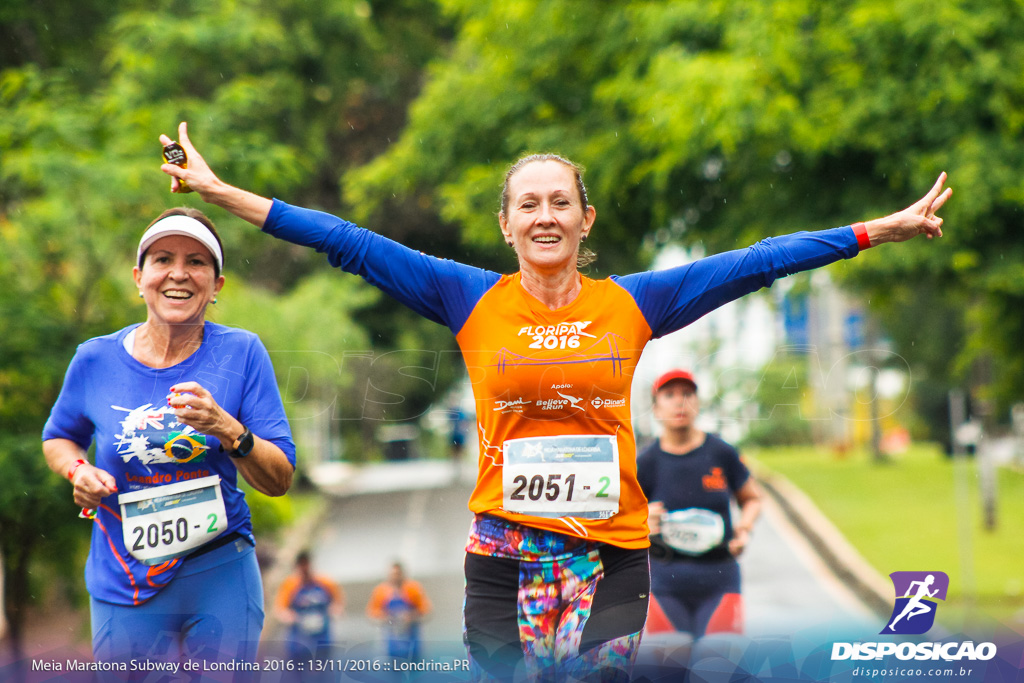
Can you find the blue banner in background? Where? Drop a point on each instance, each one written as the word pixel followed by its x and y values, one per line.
pixel 795 317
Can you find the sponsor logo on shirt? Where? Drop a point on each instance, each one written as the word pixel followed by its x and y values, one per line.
pixel 563 401
pixel 599 402
pixel 516 406
pixel 559 336
pixel 715 481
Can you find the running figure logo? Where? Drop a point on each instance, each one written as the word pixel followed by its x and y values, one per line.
pixel 916 596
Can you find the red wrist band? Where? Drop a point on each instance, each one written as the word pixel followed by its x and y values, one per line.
pixel 861 231
pixel 74 468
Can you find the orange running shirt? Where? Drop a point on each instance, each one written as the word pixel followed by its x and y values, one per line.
pixel 537 372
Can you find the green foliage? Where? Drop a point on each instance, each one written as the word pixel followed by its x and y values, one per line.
pixel 281 97
pixel 38 518
pixel 723 122
pixel 50 33
pixel 308 330
pixel 700 121
pixel 269 514
pixel 784 400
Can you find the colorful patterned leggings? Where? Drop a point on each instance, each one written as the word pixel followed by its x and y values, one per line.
pixel 575 616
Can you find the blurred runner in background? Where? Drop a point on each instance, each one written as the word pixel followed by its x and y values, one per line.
pixel 690 479
pixel 307 602
pixel 400 605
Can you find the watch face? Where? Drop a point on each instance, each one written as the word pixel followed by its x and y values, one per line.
pixel 245 444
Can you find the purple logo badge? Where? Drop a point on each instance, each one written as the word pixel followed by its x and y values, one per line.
pixel 917 594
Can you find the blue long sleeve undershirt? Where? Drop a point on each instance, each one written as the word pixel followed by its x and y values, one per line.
pixel 446 291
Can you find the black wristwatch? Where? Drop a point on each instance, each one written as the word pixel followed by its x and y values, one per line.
pixel 243 445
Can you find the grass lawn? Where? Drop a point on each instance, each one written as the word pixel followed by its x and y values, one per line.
pixel 911 515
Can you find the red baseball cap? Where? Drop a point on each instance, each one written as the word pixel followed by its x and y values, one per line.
pixel 671 376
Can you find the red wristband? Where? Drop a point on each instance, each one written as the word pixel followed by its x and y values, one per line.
pixel 861 231
pixel 74 468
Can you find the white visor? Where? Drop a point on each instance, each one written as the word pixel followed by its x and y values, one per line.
pixel 181 225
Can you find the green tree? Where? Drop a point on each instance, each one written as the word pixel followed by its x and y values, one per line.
pixel 784 398
pixel 723 122
pixel 284 95
pixel 37 517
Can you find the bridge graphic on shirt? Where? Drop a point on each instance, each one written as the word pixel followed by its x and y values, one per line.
pixel 605 349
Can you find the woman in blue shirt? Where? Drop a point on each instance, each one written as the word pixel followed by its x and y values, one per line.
pixel 177 407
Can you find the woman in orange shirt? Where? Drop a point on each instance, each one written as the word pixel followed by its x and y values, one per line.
pixel 557 562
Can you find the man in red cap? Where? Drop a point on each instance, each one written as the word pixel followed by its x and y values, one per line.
pixel 690 478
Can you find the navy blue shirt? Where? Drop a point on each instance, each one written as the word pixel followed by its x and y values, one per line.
pixel 707 477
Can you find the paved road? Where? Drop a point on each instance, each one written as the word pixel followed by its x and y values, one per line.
pixel 416 513
pixel 787 588
pixel 411 512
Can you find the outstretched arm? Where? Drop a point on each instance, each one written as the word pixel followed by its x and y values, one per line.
pixel 244 204
pixel 671 299
pixel 441 290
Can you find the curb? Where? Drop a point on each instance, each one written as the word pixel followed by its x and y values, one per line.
pixel 842 559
